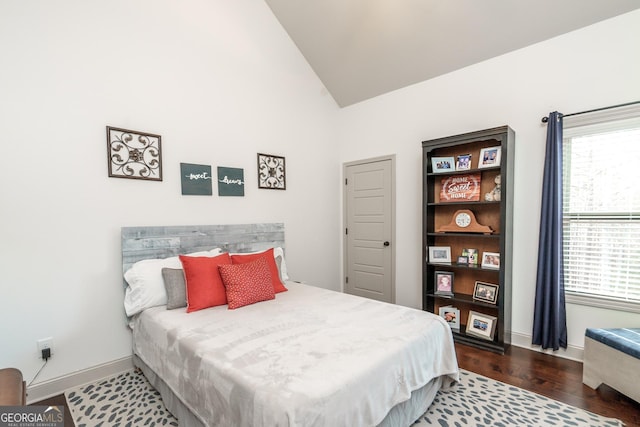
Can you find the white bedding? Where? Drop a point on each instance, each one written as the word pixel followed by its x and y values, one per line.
pixel 311 357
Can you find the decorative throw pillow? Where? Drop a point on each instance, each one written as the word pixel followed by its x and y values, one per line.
pixel 176 288
pixel 278 254
pixel 247 283
pixel 203 283
pixel 278 286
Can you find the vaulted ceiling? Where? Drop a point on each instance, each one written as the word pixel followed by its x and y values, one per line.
pixel 364 48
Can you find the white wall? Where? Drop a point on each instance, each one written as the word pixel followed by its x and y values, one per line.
pixel 219 80
pixel 590 68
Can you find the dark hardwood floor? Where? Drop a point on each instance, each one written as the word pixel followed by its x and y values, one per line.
pixel 550 376
pixel 554 377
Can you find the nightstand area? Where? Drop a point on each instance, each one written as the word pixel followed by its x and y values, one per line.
pixel 13 390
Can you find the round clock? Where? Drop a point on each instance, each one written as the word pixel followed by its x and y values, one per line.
pixel 463 219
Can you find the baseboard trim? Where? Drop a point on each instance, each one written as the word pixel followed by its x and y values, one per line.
pixel 56 386
pixel 524 341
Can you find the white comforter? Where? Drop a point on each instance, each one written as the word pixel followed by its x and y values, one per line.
pixel 311 357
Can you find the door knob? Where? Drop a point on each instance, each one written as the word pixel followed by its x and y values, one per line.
pixel 386 243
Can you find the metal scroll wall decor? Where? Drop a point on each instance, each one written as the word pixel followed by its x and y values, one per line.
pixel 271 172
pixel 135 155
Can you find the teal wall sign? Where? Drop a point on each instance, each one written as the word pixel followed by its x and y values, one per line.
pixel 230 181
pixel 196 179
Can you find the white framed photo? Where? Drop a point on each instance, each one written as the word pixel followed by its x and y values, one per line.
pixel 452 316
pixel 463 162
pixel 443 164
pixel 489 157
pixel 490 260
pixel 440 254
pixel 481 325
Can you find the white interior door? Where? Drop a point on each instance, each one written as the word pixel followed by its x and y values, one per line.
pixel 369 249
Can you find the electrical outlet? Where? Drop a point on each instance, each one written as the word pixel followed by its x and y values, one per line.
pixel 45 343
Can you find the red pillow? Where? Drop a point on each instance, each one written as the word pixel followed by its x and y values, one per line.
pixel 247 283
pixel 204 285
pixel 278 286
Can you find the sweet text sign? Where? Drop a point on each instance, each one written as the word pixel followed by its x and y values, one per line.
pixel 460 188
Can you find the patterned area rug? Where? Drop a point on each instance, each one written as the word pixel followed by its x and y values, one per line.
pixel 129 400
pixel 126 399
pixel 480 401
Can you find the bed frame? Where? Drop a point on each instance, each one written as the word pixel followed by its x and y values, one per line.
pixel 140 243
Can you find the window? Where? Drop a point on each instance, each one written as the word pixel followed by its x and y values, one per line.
pixel 601 208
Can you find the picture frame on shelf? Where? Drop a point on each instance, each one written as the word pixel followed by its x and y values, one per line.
pixel 462 260
pixel 491 260
pixel 452 316
pixel 485 292
pixel 443 283
pixel 471 254
pixel 489 157
pixel 481 325
pixel 463 162
pixel 443 164
pixel 440 254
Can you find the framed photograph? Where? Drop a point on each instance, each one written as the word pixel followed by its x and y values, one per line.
pixel 471 255
pixel 452 316
pixel 489 157
pixel 133 154
pixel 463 260
pixel 486 292
pixel 490 260
pixel 443 164
pixel 481 325
pixel 271 172
pixel 440 254
pixel 443 283
pixel 463 162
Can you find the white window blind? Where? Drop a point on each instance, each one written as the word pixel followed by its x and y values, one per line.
pixel 601 206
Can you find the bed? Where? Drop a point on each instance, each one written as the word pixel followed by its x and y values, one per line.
pixel 307 357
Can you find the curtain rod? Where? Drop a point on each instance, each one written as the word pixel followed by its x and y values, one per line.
pixel 546 119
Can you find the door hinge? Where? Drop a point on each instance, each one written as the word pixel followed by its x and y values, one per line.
pixel 345 181
pixel 346 231
pixel 347 279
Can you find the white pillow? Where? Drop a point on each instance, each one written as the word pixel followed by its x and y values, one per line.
pixel 278 254
pixel 146 285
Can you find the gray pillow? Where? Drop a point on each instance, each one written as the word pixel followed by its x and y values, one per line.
pixel 176 288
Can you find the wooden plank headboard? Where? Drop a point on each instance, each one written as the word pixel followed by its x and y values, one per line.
pixel 140 243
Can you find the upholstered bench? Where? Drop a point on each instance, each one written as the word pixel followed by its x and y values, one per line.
pixel 12 387
pixel 612 357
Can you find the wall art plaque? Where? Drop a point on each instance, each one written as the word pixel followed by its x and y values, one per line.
pixel 195 179
pixel 271 172
pixel 230 181
pixel 133 154
pixel 460 188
